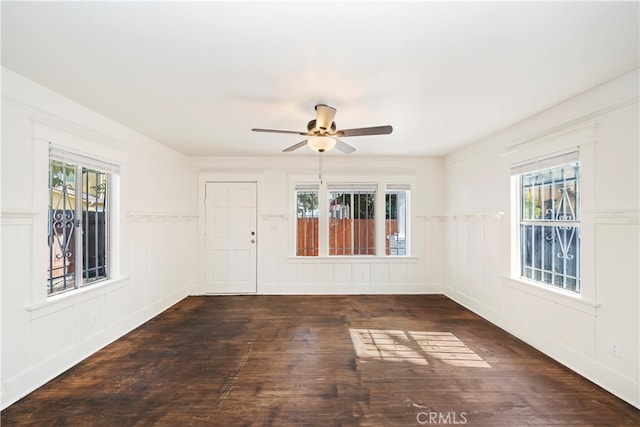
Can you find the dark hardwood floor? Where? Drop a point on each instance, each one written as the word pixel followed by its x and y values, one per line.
pixel 321 361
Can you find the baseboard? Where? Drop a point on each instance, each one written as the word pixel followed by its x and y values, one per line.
pixel 613 381
pixel 349 288
pixel 17 387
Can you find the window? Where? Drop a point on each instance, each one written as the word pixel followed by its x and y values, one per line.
pixel 549 221
pixel 78 226
pixel 340 219
pixel 395 227
pixel 352 220
pixel 307 220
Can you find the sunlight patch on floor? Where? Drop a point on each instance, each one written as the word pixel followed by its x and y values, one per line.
pixel 414 347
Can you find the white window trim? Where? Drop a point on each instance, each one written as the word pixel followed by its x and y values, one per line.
pixel 581 139
pixel 90 161
pixel 45 136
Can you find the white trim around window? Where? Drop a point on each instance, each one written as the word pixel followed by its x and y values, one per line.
pixel 576 144
pixel 56 142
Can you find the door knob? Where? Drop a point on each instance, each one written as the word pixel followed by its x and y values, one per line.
pixel 253 241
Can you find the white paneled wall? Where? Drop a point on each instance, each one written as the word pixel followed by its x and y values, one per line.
pixel 153 255
pixel 473 256
pixel 577 330
pixel 165 258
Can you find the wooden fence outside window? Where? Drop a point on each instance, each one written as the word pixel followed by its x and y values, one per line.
pixel 340 236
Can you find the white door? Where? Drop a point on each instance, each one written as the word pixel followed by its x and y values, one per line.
pixel 231 237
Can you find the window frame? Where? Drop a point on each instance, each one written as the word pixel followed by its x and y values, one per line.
pixel 315 218
pixel 564 230
pixel 82 162
pixel 402 228
pixel 355 193
pixel 558 226
pixel 583 138
pixel 334 182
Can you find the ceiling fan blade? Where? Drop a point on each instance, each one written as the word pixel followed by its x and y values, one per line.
pixel 280 131
pixel 295 147
pixel 376 130
pixel 324 116
pixel 344 147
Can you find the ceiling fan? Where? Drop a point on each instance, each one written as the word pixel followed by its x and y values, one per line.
pixel 322 134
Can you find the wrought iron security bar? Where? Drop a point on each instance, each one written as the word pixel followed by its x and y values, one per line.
pixel 78 224
pixel 550 226
pixel 351 222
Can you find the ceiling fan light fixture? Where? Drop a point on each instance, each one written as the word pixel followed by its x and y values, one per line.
pixel 321 143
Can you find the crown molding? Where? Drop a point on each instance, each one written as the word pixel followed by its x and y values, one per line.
pixel 44 117
pixel 581 122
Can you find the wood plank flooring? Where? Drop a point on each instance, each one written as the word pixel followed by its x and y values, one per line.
pixel 321 361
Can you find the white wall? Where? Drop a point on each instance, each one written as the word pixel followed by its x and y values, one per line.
pixel 280 272
pixel 155 236
pixel 577 331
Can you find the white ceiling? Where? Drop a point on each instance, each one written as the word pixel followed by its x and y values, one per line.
pixel 197 76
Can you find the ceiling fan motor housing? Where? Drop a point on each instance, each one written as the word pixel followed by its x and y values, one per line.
pixel 313 130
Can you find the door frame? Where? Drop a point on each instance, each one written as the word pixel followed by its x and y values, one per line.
pixel 226 178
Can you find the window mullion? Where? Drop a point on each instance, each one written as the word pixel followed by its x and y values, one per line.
pixel 79 227
pixel 85 226
pixel 107 227
pixel 380 220
pixel 50 231
pixel 352 222
pixel 323 220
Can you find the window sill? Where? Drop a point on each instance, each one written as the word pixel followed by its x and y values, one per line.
pixel 352 259
pixel 558 296
pixel 70 298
